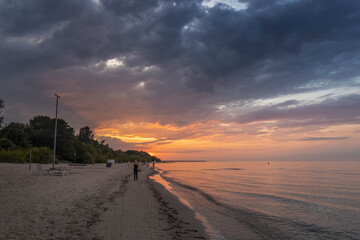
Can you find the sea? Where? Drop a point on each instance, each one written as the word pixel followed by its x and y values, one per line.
pixel 269 200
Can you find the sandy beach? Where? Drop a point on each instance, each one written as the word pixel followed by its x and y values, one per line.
pixel 92 202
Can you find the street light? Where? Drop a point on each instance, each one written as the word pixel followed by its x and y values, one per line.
pixel 57 100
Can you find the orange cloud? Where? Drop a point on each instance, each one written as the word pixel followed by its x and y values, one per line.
pixel 216 140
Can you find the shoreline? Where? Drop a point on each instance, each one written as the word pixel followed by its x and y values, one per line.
pixel 92 202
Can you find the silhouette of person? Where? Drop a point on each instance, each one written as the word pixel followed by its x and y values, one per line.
pixel 136 165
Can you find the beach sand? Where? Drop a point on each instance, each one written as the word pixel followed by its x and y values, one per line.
pixel 92 202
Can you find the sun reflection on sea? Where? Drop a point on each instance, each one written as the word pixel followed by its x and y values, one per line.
pixel 159 179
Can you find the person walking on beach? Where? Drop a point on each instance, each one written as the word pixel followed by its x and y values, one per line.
pixel 136 165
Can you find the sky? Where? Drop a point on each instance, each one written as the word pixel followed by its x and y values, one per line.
pixel 190 79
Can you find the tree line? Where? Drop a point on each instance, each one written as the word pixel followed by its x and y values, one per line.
pixel 16 140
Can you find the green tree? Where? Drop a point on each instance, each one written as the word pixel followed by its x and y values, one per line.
pixel 17 133
pixel 13 155
pixel 85 153
pixel 6 143
pixel 1 106
pixel 42 131
pixel 86 135
pixel 42 135
pixel 65 140
pixel 40 155
pixel 140 156
pixel 16 138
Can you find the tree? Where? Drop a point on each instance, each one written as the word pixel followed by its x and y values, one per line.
pixel 15 138
pixel 86 135
pixel 42 134
pixel 141 156
pixel 17 133
pixel 65 141
pixel 6 143
pixel 1 106
pixel 85 153
pixel 42 131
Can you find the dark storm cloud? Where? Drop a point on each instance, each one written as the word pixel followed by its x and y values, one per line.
pixel 304 37
pixel 33 17
pixel 199 57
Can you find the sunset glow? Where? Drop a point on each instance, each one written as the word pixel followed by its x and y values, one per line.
pixel 181 119
pixel 208 79
pixel 233 141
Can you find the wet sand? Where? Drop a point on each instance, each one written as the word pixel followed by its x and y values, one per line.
pixel 92 202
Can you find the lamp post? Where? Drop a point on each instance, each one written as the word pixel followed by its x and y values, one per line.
pixel 57 101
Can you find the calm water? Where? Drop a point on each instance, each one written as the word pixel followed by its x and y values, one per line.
pixel 280 200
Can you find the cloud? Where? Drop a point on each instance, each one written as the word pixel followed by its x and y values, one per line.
pixel 118 144
pixel 18 18
pixel 321 138
pixel 178 61
pixel 328 112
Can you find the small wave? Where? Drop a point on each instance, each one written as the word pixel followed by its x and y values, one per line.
pixel 264 224
pixel 232 169
pixel 205 195
pixel 246 217
pixel 225 169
